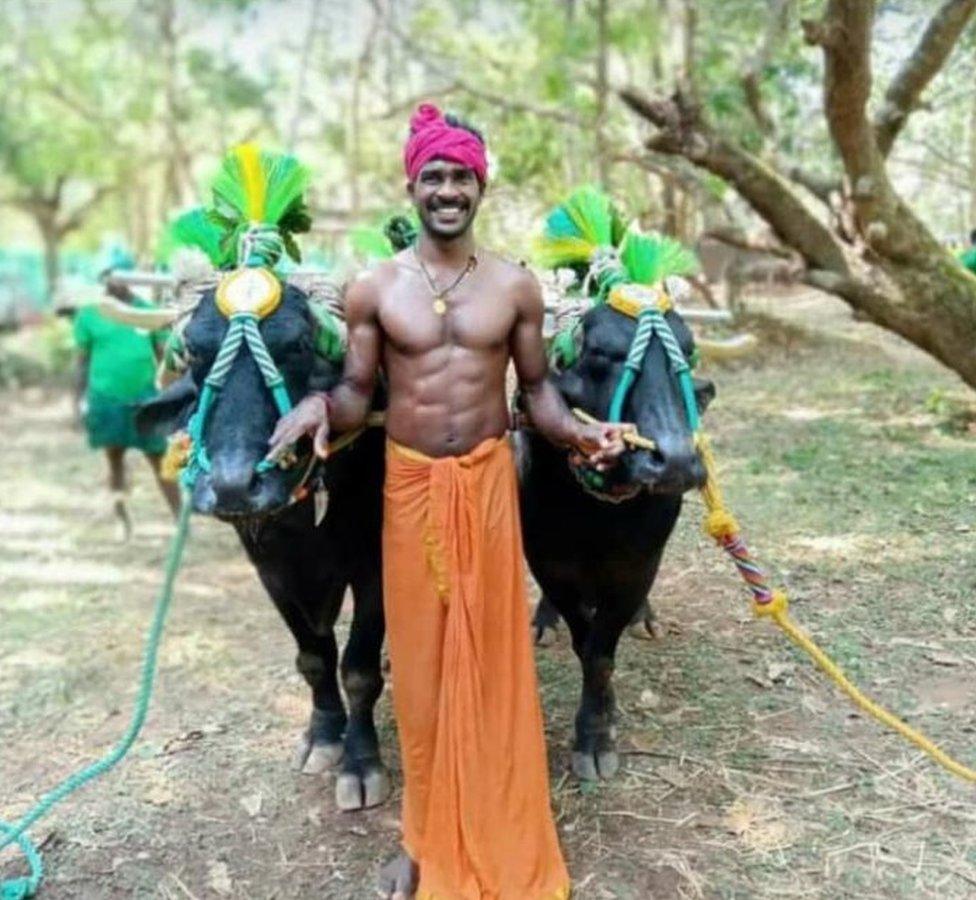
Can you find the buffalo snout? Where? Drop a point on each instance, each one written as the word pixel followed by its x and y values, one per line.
pixel 672 468
pixel 234 489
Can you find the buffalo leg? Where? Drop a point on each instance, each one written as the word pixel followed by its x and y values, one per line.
pixel 644 625
pixel 320 746
pixel 364 780
pixel 594 751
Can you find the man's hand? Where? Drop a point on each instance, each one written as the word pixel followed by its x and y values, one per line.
pixel 600 445
pixel 310 417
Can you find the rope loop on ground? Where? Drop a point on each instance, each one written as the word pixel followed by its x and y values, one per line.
pixel 19 888
pixel 773 604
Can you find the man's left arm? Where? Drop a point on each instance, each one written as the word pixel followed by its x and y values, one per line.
pixel 550 415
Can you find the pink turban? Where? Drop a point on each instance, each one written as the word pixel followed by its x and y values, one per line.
pixel 432 137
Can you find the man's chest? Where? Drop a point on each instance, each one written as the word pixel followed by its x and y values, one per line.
pixel 415 322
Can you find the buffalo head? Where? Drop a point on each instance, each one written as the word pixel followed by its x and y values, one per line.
pixel 654 404
pixel 244 414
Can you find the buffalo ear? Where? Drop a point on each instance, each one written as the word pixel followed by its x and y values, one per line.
pixel 704 392
pixel 169 410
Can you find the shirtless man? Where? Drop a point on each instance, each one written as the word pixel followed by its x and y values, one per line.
pixel 443 319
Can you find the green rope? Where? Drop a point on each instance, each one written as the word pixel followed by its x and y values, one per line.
pixel 652 322
pixel 20 888
pixel 243 329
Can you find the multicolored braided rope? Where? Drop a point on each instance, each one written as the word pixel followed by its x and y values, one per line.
pixel 773 603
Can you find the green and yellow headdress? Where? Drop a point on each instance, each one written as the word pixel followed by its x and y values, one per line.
pixel 259 203
pixel 587 233
pixel 194 229
pixel 617 264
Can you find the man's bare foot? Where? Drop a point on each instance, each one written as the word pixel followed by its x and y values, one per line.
pixel 398 878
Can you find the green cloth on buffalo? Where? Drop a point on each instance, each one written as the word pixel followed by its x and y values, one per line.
pixel 121 373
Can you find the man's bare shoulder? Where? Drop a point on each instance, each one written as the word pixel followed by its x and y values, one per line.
pixel 515 278
pixel 362 293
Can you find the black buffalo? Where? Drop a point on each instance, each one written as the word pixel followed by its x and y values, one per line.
pixel 306 568
pixel 596 557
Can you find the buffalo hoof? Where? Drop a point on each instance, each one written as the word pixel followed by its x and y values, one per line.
pixel 644 626
pixel 646 630
pixel 363 789
pixel 595 766
pixel 545 623
pixel 544 635
pixel 313 758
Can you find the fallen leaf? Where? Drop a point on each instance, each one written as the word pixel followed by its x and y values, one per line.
pixel 252 804
pixel 777 671
pixel 220 879
pixel 672 775
pixel 159 793
pixel 649 700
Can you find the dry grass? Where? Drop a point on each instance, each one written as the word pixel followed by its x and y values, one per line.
pixel 745 775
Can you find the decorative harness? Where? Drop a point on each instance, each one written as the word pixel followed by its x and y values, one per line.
pixel 246 297
pixel 648 306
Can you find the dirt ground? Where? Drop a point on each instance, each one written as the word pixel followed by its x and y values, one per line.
pixel 850 461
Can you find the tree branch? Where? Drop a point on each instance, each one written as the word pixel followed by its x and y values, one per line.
pixel 77 217
pixel 776 26
pixel 683 133
pixel 460 84
pixel 823 187
pixel 742 240
pixel 926 61
pixel 888 226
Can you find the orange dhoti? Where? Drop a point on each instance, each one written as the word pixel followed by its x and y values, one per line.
pixel 476 814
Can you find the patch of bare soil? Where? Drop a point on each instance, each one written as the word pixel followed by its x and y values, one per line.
pixel 745 775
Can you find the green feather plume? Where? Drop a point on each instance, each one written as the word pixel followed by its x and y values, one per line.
pixel 194 228
pixel 586 220
pixel 255 186
pixel 396 233
pixel 650 258
pixel 370 243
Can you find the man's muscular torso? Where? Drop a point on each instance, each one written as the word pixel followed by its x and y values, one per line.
pixel 446 373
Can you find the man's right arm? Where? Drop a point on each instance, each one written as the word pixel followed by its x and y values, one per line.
pixel 347 405
pixel 349 401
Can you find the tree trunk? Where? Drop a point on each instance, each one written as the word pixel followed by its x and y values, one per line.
pixel 602 90
pixel 51 240
pixel 876 253
pixel 971 224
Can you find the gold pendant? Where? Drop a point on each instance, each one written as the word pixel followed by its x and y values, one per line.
pixel 440 307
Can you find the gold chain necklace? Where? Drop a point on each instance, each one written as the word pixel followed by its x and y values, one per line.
pixel 441 294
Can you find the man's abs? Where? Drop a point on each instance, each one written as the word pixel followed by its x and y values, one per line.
pixel 447 402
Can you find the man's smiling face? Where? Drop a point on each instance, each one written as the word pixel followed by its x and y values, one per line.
pixel 446 196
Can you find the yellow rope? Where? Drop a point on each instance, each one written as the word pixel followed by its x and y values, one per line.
pixel 722 525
